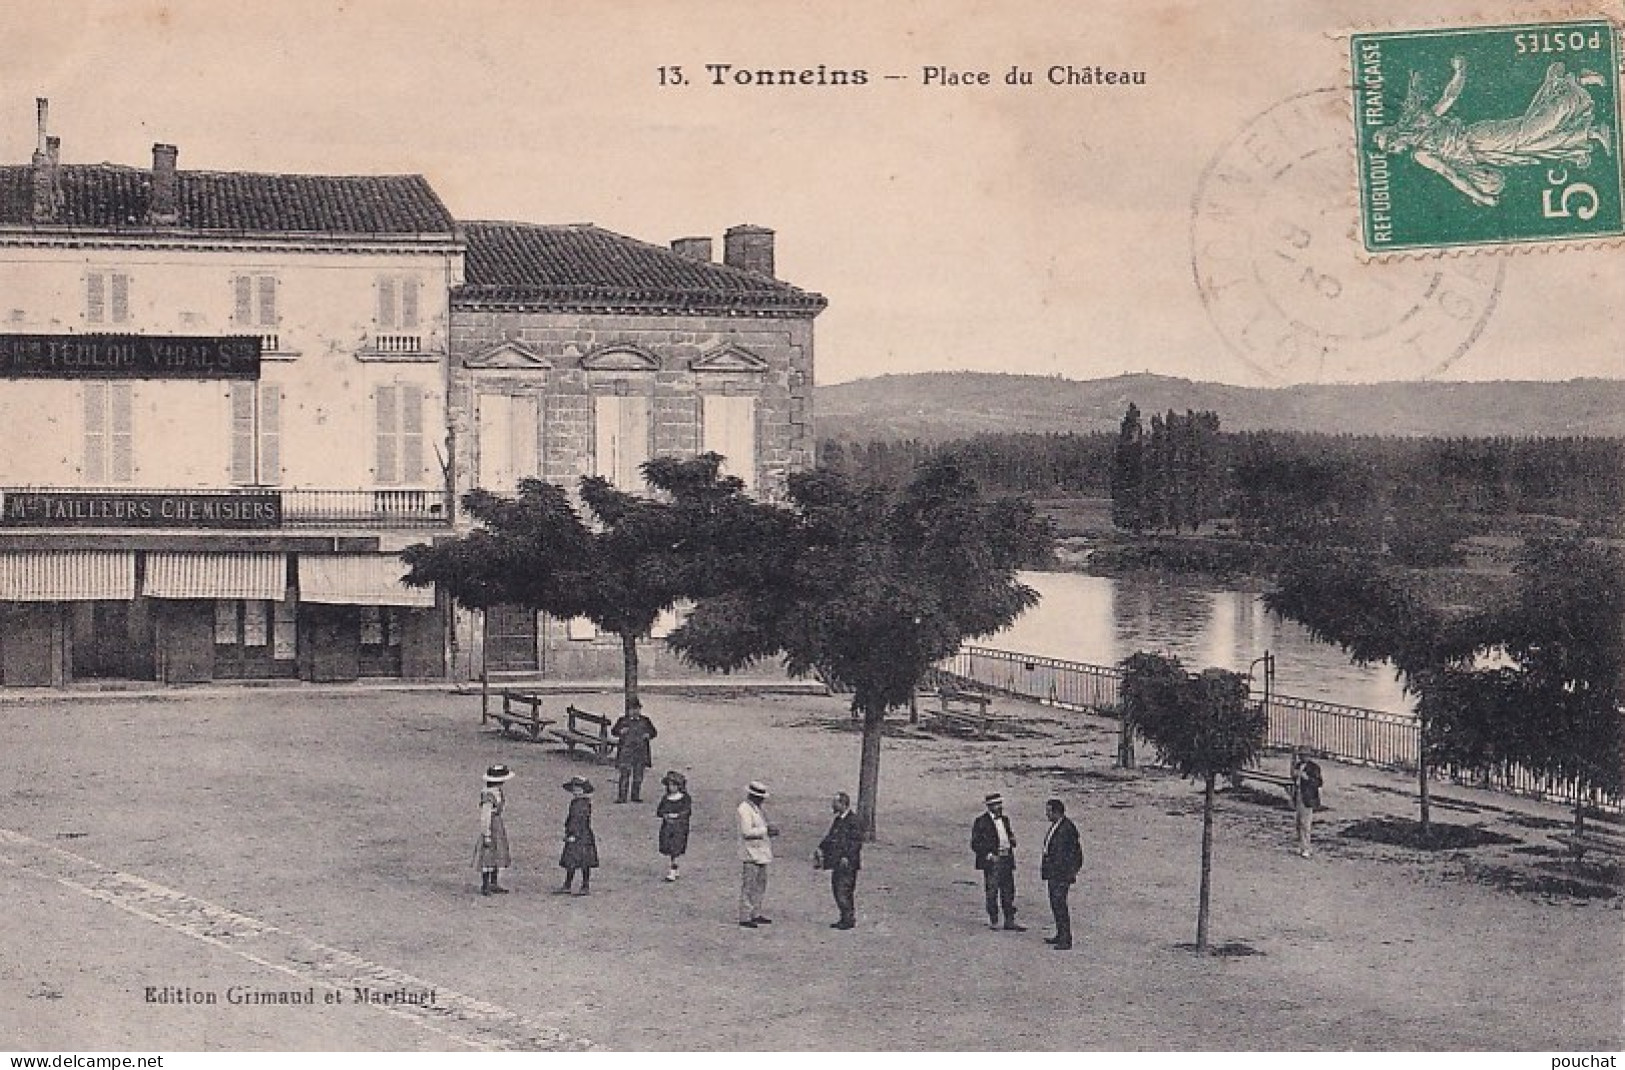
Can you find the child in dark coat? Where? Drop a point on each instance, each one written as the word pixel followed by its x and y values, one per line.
pixel 674 810
pixel 580 847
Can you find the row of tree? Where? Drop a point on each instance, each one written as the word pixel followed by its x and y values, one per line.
pixel 865 586
pixel 1292 487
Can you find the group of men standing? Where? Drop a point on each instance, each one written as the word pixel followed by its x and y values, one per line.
pixel 993 842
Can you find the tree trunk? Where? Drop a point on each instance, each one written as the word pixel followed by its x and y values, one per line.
pixel 629 662
pixel 869 773
pixel 1125 744
pixel 1422 775
pixel 1207 863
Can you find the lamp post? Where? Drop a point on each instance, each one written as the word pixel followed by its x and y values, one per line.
pixel 1268 661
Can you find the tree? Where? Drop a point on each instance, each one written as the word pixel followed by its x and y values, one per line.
pixel 869 588
pixel 1128 474
pixel 1203 726
pixel 1375 614
pixel 638 558
pixel 1558 709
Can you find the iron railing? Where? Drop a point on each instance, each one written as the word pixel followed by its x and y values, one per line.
pixel 1343 733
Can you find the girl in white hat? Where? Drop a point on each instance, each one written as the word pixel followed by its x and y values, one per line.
pixel 491 853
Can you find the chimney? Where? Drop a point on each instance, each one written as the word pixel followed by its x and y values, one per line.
pixel 164 206
pixel 693 248
pixel 749 248
pixel 46 156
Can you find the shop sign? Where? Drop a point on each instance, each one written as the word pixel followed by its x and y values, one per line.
pixel 128 356
pixel 104 509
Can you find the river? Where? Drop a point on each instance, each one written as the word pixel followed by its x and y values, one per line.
pixel 1100 621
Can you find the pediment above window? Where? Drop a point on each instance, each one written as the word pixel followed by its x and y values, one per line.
pixel 509 355
pixel 621 359
pixel 729 358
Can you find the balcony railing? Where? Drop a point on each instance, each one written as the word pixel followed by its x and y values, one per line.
pixel 57 508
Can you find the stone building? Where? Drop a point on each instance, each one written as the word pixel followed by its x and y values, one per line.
pixel 576 351
pixel 222 414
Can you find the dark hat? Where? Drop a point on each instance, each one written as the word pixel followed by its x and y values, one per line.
pixel 496 774
pixel 579 782
pixel 674 777
pixel 756 790
pixel 993 798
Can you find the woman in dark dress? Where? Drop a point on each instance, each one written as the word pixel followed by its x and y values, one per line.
pixel 580 848
pixel 674 810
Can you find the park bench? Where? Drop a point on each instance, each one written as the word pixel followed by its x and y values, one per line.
pixel 963 712
pixel 1280 780
pixel 1601 839
pixel 590 730
pixel 522 709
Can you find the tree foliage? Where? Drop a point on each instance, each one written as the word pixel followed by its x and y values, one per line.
pixel 631 559
pixel 869 588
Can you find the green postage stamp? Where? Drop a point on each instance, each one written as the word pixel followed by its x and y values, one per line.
pixel 1488 136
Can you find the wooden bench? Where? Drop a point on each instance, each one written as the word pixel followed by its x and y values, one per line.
pixel 590 730
pixel 1280 780
pixel 1601 839
pixel 963 712
pixel 522 709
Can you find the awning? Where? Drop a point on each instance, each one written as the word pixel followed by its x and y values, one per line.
pixel 257 576
pixel 358 580
pixel 61 576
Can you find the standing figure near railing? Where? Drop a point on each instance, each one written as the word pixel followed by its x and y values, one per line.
pixel 1306 782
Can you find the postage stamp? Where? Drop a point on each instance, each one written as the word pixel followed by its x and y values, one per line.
pixel 1499 135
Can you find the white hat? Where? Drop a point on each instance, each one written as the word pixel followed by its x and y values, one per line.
pixel 757 790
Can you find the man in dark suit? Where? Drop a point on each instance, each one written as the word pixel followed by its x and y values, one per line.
pixel 841 853
pixel 1063 858
pixel 993 842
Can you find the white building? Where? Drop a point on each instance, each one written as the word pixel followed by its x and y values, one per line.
pixel 223 412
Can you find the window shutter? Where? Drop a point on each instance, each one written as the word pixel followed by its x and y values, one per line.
pixel 121 432
pixel 388 422
pixel 386 303
pixel 606 436
pixel 270 433
pixel 96 297
pixel 634 443
pixel 411 433
pixel 243 313
pixel 95 395
pixel 121 298
pixel 267 300
pixel 242 433
pixel 525 426
pixel 409 304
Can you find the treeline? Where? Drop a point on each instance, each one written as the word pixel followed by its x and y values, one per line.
pixel 1291 487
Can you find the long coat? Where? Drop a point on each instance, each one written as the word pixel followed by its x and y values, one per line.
pixel 580 847
pixel 844 840
pixel 674 816
pixel 633 731
pixel 492 855
pixel 1063 853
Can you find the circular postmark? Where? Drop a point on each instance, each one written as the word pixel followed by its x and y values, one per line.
pixel 1276 254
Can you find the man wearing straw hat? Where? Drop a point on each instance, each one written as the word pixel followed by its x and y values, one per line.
pixel 755 853
pixel 993 842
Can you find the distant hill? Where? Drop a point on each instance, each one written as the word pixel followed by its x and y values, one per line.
pixel 937 406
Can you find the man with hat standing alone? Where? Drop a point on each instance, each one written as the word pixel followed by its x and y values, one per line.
pixel 993 842
pixel 755 853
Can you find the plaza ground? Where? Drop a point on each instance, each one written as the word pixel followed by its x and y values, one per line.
pixel 304 840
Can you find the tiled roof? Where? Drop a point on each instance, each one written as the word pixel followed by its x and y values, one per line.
pixel 583 267
pixel 106 196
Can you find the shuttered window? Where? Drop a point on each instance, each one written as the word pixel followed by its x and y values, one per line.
pixel 109 425
pixel 254 301
pixel 729 428
pixel 621 440
pixel 256 434
pixel 399 433
pixel 509 433
pixel 107 297
pixel 397 303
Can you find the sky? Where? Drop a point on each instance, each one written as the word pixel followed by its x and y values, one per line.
pixel 1080 231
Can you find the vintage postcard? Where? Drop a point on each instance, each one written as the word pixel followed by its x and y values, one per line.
pixel 358 363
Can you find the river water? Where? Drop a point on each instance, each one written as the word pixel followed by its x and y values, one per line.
pixel 1100 621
